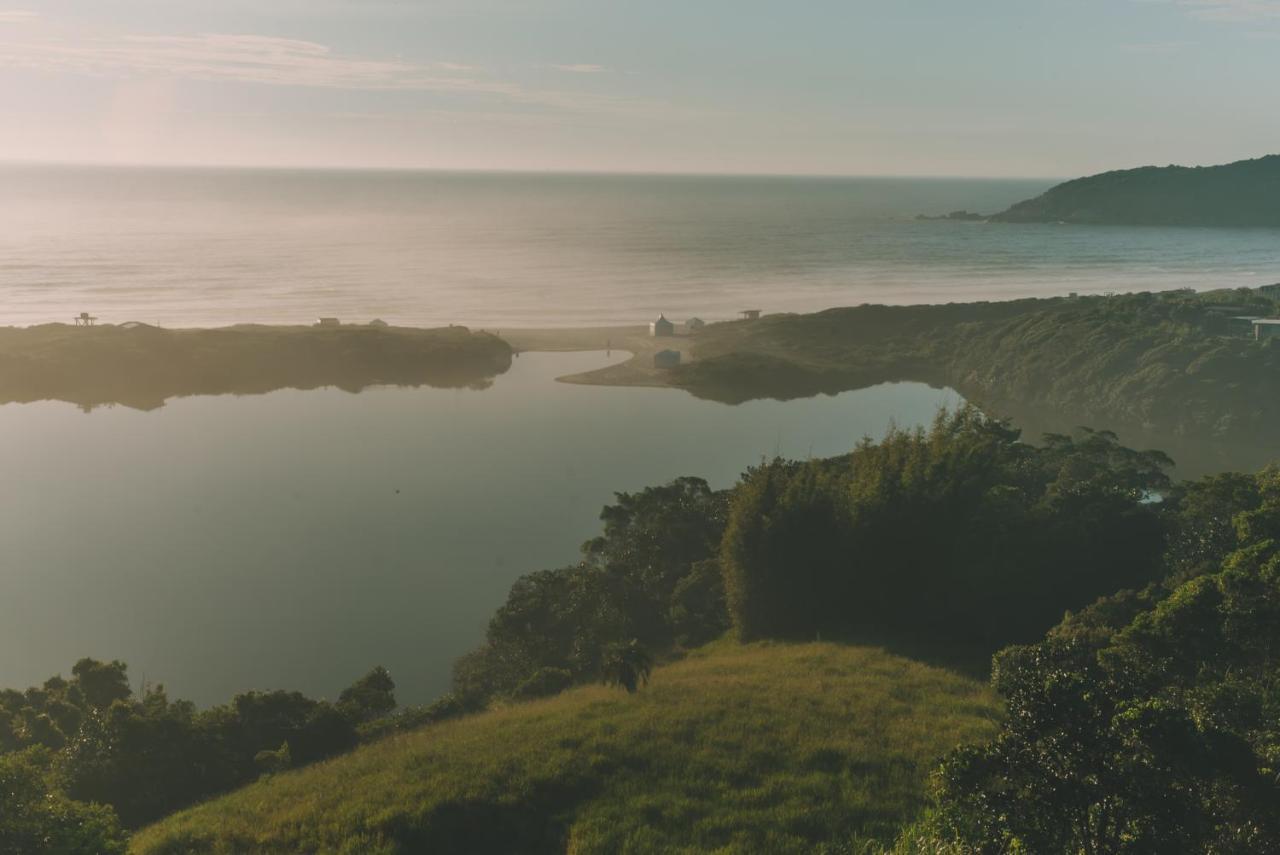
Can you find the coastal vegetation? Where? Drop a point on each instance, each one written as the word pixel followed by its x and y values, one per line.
pixel 90 752
pixel 142 366
pixel 1241 194
pixel 1172 370
pixel 794 664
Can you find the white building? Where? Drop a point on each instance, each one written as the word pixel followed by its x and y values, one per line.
pixel 1265 328
pixel 327 322
pixel 662 327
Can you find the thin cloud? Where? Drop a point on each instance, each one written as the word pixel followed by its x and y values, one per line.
pixel 1156 47
pixel 17 16
pixel 581 68
pixel 1232 10
pixel 273 61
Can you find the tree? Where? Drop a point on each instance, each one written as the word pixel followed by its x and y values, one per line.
pixel 956 534
pixel 102 683
pixel 627 665
pixel 36 817
pixel 1159 737
pixel 370 697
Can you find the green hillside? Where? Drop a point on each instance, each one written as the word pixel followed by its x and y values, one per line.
pixel 1245 193
pixel 763 747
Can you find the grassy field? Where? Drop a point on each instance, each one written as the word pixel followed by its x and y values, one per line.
pixel 764 747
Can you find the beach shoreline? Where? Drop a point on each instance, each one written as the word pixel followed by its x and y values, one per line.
pixel 639 370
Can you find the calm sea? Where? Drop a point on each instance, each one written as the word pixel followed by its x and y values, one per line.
pixel 188 247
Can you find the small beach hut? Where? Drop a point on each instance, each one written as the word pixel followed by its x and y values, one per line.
pixel 1264 328
pixel 750 314
pixel 666 359
pixel 694 324
pixel 327 322
pixel 662 327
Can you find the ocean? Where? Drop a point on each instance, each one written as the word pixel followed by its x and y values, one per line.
pixel 213 247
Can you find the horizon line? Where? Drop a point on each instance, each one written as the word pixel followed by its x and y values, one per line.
pixel 637 173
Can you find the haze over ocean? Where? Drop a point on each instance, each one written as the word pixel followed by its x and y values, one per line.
pixel 213 247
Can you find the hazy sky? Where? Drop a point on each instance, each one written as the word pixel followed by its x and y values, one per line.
pixel 955 87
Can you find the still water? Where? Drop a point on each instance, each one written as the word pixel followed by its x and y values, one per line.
pixel 295 539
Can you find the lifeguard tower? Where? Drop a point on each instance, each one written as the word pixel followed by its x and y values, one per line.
pixel 84 319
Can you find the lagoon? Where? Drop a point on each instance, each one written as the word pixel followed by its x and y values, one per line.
pixel 297 538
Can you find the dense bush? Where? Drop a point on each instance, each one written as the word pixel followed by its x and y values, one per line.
pixel 144 756
pixel 959 533
pixel 36 816
pixel 1160 736
pixel 651 576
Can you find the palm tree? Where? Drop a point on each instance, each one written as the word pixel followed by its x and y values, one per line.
pixel 627 665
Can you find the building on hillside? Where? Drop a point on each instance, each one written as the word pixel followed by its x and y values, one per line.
pixel 1271 290
pixel 662 327
pixel 666 359
pixel 1242 325
pixel 327 322
pixel 1264 328
pixel 750 314
pixel 694 324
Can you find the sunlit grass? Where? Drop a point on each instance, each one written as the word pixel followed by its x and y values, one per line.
pixel 764 747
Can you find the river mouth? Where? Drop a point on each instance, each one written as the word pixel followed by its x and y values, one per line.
pixel 296 538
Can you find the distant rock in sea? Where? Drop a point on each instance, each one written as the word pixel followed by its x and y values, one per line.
pixel 1242 194
pixel 967 216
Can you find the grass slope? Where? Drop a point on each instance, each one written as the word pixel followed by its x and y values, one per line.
pixel 763 747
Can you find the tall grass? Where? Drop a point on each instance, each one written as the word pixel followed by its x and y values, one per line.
pixel 763 747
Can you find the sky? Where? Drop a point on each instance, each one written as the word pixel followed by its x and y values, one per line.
pixel 850 87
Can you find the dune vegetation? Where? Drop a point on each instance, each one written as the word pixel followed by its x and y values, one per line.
pixel 142 366
pixel 1173 371
pixel 761 747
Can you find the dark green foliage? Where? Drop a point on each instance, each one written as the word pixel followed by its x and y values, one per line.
pixel 147 756
pixel 543 683
pixel 410 718
pixel 1163 736
pixel 1241 194
pixel 274 761
pixel 627 665
pixel 372 696
pixel 958 534
pixel 36 818
pixel 1168 369
pixel 100 683
pixel 698 611
pixel 650 576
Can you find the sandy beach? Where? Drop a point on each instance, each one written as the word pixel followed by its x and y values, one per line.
pixel 636 340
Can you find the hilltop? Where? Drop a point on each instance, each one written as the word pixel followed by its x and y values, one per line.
pixel 1241 194
pixel 1173 371
pixel 762 747
pixel 142 366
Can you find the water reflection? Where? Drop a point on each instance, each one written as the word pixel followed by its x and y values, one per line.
pixel 293 539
